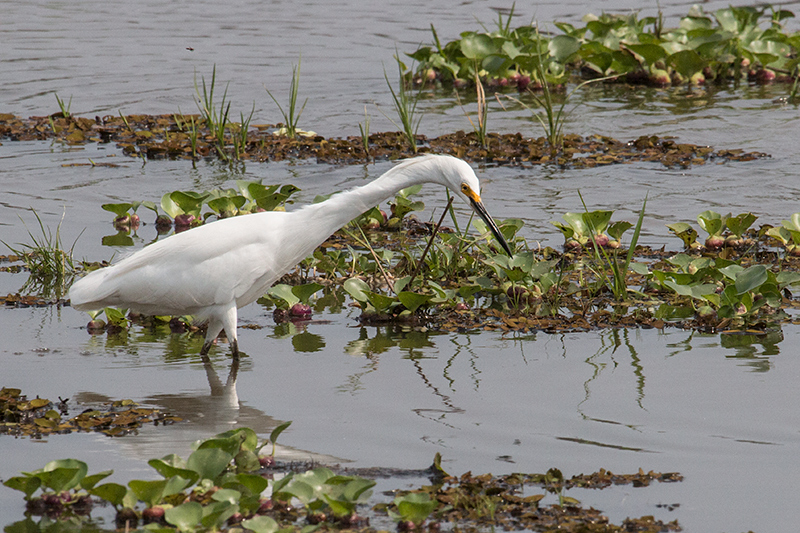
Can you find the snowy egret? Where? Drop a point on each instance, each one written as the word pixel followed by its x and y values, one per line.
pixel 212 270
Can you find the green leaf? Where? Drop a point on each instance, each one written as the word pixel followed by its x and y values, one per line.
pixel 686 62
pixel 113 493
pixel 284 292
pixel 252 482
pixel 751 278
pixel 306 291
pixel 90 481
pixel 166 468
pixel 26 484
pixel 412 300
pixel 186 517
pixel 150 492
pixel 358 289
pixel 650 53
pixel 209 462
pixel 563 47
pixel 117 209
pixel 415 506
pixel 477 46
pixel 215 515
pixel 261 524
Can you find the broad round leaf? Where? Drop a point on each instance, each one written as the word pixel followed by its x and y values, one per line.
pixel 185 517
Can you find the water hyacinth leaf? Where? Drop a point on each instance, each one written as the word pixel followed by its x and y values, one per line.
pixel 684 232
pixel 227 206
pixel 650 53
pixel 188 202
pixel 339 507
pixel 477 46
pixel 163 467
pixel 209 462
pixel 68 464
pixel 412 300
pixel 358 289
pixel 751 278
pixel 26 484
pixel 90 481
pixel 597 221
pixel 261 524
pixel 563 47
pixel 740 223
pixel 254 483
pixel 358 489
pixel 150 492
pixel 786 278
pixel 227 495
pixel 284 292
pixel 118 209
pixel 185 517
pixel 712 222
pixel 495 64
pixel 301 490
pixel 246 438
pixel 273 436
pixel 617 229
pixel 686 62
pixel 731 271
pixel 415 506
pixel 306 291
pixel 113 493
pixel 380 302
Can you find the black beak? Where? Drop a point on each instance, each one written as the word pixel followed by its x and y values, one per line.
pixel 478 207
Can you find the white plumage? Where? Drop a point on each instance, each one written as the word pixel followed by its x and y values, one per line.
pixel 212 270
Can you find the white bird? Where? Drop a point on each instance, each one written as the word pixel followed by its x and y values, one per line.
pixel 212 270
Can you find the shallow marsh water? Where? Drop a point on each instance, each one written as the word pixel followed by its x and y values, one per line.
pixel 723 415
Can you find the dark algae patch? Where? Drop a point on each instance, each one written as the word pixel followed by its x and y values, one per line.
pixel 169 137
pixel 40 417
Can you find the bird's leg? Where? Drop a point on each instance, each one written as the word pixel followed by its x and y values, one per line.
pixel 206 347
pixel 235 350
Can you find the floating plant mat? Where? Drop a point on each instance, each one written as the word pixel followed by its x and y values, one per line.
pixel 39 417
pixel 221 486
pixel 169 136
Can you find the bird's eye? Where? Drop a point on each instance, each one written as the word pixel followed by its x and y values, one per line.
pixel 464 188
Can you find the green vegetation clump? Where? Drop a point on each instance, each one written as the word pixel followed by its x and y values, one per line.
pixel 227 485
pixel 731 44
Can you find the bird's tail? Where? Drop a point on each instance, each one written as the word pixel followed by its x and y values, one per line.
pixel 90 293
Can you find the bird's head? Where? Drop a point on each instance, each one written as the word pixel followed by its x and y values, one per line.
pixel 461 179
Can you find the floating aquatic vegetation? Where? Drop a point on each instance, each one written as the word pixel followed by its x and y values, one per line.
pixel 731 44
pixel 40 417
pixel 161 136
pixel 223 486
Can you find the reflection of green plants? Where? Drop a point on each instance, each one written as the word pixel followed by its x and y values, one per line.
pixel 292 115
pixel 51 267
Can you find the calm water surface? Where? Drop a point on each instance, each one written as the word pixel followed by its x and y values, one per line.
pixel 722 412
